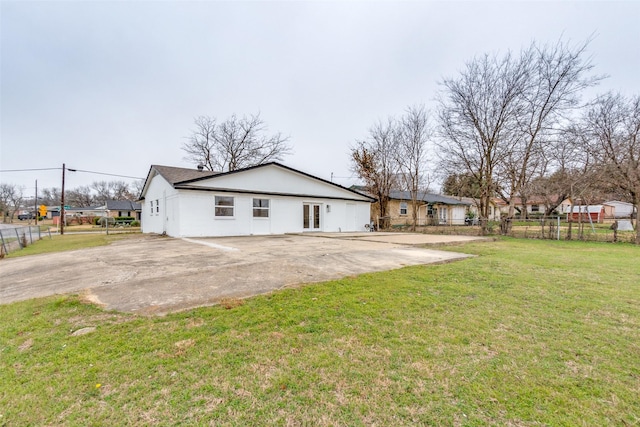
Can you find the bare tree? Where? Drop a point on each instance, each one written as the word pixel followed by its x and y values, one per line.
pixel 557 75
pixel 374 160
pixel 200 146
pixel 234 143
pixel 499 115
pixel 11 197
pixel 413 132
pixel 50 196
pixel 102 191
pixel 136 188
pixel 79 196
pixel 612 130
pixel 477 114
pixel 120 190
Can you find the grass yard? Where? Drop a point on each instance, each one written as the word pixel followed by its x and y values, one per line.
pixel 67 242
pixel 528 333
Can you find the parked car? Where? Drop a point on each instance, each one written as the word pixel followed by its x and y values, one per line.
pixel 471 221
pixel 24 216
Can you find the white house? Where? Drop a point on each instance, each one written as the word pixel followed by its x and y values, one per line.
pixel 265 199
pixel 620 209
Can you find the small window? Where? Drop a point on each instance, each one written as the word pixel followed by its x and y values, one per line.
pixel 261 208
pixel 157 207
pixel 224 206
pixel 403 208
pixel 535 208
pixel 151 210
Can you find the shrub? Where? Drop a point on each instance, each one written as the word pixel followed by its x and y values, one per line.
pixel 135 223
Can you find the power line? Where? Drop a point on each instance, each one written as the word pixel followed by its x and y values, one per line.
pixel 70 170
pixel 104 173
pixel 29 170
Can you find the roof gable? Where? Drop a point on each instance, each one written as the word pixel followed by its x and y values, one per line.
pixel 269 178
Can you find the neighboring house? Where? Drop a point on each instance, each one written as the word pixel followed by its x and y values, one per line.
pixel 494 212
pixel 264 199
pixel 534 205
pixel 583 212
pixel 120 208
pixel 433 209
pixel 620 209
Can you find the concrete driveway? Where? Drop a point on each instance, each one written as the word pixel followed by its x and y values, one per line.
pixel 153 274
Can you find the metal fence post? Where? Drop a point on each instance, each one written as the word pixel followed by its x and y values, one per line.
pixel 19 241
pixel 4 245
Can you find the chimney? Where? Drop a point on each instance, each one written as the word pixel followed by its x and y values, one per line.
pixel 201 167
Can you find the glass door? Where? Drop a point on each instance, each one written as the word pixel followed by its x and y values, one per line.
pixel 311 217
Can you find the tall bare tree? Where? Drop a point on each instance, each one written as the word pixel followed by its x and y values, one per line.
pixel 235 143
pixel 612 130
pixel 557 75
pixel 412 133
pixel 374 160
pixel 499 115
pixel 200 146
pixel 477 114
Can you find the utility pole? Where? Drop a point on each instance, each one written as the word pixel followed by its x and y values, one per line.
pixel 35 203
pixel 62 202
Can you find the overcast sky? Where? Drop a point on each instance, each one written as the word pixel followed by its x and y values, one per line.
pixel 114 86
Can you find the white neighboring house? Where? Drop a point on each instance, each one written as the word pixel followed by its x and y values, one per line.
pixel 621 209
pixel 264 199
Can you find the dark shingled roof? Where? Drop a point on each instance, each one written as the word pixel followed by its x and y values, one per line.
pixel 175 175
pixel 122 205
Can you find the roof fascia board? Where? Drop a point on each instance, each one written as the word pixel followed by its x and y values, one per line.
pixel 305 196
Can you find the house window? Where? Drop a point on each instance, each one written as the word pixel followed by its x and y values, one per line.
pixel 403 208
pixel 157 207
pixel 535 208
pixel 224 206
pixel 151 210
pixel 261 208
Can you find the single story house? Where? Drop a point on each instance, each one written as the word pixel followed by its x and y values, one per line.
pixel 533 205
pixel 266 199
pixel 494 212
pixel 120 208
pixel 433 209
pixel 619 209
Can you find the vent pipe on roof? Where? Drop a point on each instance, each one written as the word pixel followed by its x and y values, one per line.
pixel 201 167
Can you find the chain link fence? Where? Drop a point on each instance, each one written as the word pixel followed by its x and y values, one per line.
pixel 14 238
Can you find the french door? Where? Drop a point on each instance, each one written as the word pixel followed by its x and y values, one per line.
pixel 311 217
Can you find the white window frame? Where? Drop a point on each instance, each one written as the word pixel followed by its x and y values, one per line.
pixel 217 206
pixel 151 211
pixel 266 209
pixel 404 207
pixel 157 207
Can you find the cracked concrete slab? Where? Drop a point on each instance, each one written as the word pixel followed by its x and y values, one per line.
pixel 154 274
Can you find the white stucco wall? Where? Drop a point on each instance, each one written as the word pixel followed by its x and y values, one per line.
pixel 164 196
pixel 197 215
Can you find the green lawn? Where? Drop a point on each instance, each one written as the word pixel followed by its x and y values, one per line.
pixel 68 242
pixel 527 333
